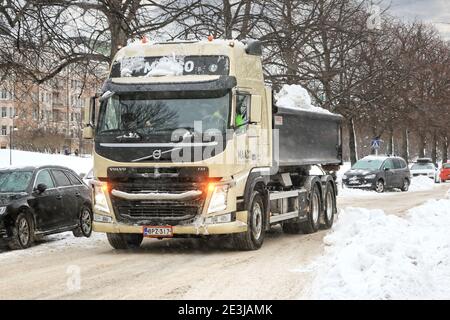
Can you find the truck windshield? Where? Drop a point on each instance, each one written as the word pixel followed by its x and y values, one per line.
pixel 14 181
pixel 140 115
pixel 368 164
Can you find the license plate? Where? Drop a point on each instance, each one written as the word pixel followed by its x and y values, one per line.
pixel 158 231
pixel 353 182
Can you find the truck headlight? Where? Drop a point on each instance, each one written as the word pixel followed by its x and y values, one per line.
pixel 100 201
pixel 2 210
pixel 218 199
pixel 370 176
pixel 344 177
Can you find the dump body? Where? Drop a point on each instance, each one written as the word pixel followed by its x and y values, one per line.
pixel 306 138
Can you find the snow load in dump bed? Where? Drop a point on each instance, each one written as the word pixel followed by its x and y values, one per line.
pixel 305 134
pixel 296 97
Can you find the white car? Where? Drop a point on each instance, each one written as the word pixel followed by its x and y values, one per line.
pixel 424 167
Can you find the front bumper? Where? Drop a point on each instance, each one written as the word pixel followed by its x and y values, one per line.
pixel 3 231
pixel 197 228
pixel 361 183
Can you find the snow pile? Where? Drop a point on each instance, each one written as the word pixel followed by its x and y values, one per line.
pixel 25 158
pixel 296 97
pixel 129 65
pixel 421 183
pixel 371 255
pixel 54 243
pixel 166 66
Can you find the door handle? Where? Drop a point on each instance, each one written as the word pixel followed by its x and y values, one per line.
pixel 59 197
pixel 77 194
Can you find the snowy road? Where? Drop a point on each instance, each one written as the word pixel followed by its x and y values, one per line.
pixel 183 269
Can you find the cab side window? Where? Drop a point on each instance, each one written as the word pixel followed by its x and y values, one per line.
pixel 242 109
pixel 61 178
pixel 44 177
pixel 389 164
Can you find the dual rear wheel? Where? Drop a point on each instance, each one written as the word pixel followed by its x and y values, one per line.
pixel 320 213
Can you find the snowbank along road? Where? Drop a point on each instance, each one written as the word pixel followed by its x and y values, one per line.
pixel 286 266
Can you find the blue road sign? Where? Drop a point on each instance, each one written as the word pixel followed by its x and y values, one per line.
pixel 376 143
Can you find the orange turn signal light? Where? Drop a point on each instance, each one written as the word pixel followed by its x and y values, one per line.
pixel 211 186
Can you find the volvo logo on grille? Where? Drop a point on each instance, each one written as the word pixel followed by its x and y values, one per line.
pixel 157 154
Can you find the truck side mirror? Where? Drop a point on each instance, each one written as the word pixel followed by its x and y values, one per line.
pixel 89 119
pixel 255 109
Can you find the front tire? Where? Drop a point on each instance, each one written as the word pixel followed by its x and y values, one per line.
pixel 380 187
pixel 253 238
pixel 124 241
pixel 23 232
pixel 85 221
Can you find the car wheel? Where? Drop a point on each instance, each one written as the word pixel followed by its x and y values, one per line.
pixel 23 232
pixel 85 223
pixel 379 187
pixel 124 241
pixel 405 186
pixel 253 238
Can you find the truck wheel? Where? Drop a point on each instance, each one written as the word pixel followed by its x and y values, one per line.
pixel 23 232
pixel 85 220
pixel 330 207
pixel 379 187
pixel 253 238
pixel 314 213
pixel 405 186
pixel 124 241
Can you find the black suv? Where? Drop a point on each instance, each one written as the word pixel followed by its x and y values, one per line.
pixel 37 201
pixel 378 173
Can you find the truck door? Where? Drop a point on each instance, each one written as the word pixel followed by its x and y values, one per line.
pixel 247 133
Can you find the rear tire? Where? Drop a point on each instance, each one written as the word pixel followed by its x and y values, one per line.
pixel 405 186
pixel 330 207
pixel 23 232
pixel 314 212
pixel 85 221
pixel 253 238
pixel 124 241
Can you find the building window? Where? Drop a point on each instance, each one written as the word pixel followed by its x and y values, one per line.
pixel 4 112
pixel 4 94
pixel 3 131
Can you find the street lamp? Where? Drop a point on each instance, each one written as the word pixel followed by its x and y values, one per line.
pixel 11 140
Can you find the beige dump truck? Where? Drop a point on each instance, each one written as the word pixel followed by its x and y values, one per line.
pixel 187 143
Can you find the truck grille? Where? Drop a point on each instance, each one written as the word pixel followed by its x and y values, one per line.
pixel 157 212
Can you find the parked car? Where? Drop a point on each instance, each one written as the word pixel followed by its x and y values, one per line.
pixel 38 201
pixel 378 173
pixel 425 167
pixel 445 172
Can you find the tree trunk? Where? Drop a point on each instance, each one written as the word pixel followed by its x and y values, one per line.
pixel 390 148
pixel 445 149
pixel 422 145
pixel 352 141
pixel 434 147
pixel 405 145
pixel 228 17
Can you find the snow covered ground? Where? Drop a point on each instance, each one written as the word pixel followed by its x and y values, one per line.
pixel 371 255
pixel 26 158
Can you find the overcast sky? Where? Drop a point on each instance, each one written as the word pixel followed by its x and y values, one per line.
pixel 433 11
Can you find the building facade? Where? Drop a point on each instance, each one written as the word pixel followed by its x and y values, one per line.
pixel 45 117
